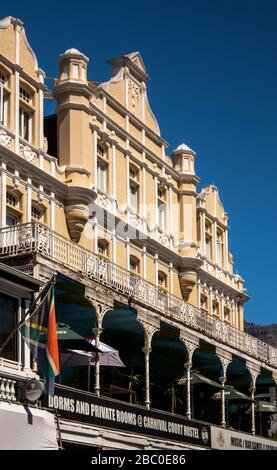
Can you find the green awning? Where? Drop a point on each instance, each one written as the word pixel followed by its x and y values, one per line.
pixel 197 379
pixel 231 394
pixel 265 407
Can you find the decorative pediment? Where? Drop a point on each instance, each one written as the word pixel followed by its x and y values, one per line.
pixel 210 196
pixel 128 86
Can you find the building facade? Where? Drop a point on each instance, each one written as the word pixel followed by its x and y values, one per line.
pixel 91 194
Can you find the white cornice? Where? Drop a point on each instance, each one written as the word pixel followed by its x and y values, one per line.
pixel 75 106
pixel 47 180
pixel 204 276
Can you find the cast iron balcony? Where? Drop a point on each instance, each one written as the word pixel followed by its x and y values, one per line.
pixel 36 238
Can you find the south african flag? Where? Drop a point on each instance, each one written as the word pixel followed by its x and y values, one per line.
pixel 39 332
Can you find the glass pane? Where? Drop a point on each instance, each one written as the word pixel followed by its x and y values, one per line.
pixel 25 126
pixel 101 177
pixel 161 210
pixel 10 220
pixel 219 253
pixel 208 247
pixel 134 197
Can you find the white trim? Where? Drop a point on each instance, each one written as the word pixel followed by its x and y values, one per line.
pixel 128 254
pixel 128 186
pixel 126 91
pixel 17 44
pixel 211 300
pixel 104 112
pixel 144 213
pixel 2 112
pixel 215 243
pixel 114 246
pixel 16 110
pixel 127 127
pixel 226 250
pixel 3 194
pixel 95 156
pixel 52 211
pixel 170 214
pixel 156 261
pixel 144 262
pixel 29 200
pixel 41 135
pixel 156 205
pixel 95 235
pixel 114 173
pixel 222 305
pixel 142 94
pixel 171 278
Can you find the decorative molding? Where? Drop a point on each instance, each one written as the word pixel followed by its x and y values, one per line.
pixel 104 201
pixel 27 153
pixel 5 139
pixel 135 94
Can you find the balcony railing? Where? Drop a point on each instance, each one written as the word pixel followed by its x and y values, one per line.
pixel 34 237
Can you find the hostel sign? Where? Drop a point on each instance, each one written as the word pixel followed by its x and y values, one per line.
pixel 77 405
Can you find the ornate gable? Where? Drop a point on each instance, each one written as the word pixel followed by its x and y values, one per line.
pixel 128 87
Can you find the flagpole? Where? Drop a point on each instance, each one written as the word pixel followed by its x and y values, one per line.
pixel 43 294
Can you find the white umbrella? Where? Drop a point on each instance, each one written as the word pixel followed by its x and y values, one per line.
pixel 107 357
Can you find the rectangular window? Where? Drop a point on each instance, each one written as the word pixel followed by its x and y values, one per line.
pixel 102 176
pixel 12 199
pixel 75 71
pixel 37 213
pixel 134 264
pixel 3 78
pixel 25 95
pixel 3 106
pixel 11 220
pixel 162 280
pixel 132 172
pixel 8 309
pixel 134 197
pixel 25 125
pixel 162 215
pixel 102 248
pixel 208 247
pixel 101 152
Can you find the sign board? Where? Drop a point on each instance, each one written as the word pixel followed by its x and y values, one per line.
pixel 77 405
pixel 226 439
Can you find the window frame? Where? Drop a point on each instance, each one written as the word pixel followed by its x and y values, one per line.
pixel 136 263
pixel 27 135
pixel 162 276
pixel 4 98
pixel 105 245
pixel 35 207
pixel 103 166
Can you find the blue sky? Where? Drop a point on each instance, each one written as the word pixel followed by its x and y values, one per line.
pixel 213 68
